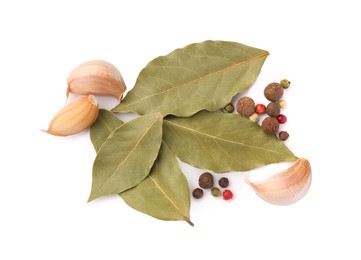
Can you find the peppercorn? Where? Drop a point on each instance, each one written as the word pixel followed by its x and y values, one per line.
pixel 223 182
pixel 282 103
pixel 216 192
pixel 245 106
pixel 197 193
pixel 270 125
pixel 273 109
pixel 227 195
pixel 260 109
pixel 206 180
pixel 254 117
pixel 273 91
pixel 285 83
pixel 281 119
pixel 283 135
pixel 229 108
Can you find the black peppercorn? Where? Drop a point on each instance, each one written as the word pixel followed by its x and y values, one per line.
pixel 273 109
pixel 223 182
pixel 283 135
pixel 273 91
pixel 197 193
pixel 206 180
pixel 270 125
pixel 245 106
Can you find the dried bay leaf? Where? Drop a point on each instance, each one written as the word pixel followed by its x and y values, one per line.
pixel 223 142
pixel 164 194
pixel 105 124
pixel 199 76
pixel 126 156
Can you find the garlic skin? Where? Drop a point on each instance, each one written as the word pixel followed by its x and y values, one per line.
pixel 96 77
pixel 74 117
pixel 286 187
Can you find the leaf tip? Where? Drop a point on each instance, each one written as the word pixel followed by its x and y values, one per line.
pixel 118 108
pixel 114 109
pixel 91 198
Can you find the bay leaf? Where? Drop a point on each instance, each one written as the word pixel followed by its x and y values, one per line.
pixel 199 76
pixel 164 194
pixel 223 142
pixel 105 124
pixel 126 156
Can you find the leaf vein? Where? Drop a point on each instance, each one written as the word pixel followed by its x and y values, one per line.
pixel 197 79
pixel 130 152
pixel 168 198
pixel 105 123
pixel 194 131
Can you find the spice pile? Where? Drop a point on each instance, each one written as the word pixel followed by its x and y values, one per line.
pixel 271 124
pixel 206 181
pixel 179 98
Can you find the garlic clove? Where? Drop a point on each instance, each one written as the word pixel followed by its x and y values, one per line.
pixel 74 117
pixel 286 187
pixel 96 77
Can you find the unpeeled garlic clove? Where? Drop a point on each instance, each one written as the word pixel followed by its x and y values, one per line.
pixel 96 77
pixel 74 117
pixel 286 187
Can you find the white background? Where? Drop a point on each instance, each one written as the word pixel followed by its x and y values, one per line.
pixel 45 180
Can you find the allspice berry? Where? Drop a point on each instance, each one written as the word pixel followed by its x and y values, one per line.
pixel 206 180
pixel 197 193
pixel 283 135
pixel 273 91
pixel 270 125
pixel 273 109
pixel 216 192
pixel 223 182
pixel 245 106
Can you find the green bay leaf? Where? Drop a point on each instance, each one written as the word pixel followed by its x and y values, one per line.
pixel 126 156
pixel 223 142
pixel 164 194
pixel 105 124
pixel 199 76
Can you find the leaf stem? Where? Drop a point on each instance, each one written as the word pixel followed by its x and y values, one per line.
pixel 189 221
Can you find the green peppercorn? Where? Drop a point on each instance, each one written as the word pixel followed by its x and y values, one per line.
pixel 273 109
pixel 285 83
pixel 245 106
pixel 283 135
pixel 223 182
pixel 205 180
pixel 273 91
pixel 197 193
pixel 229 108
pixel 270 125
pixel 216 192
